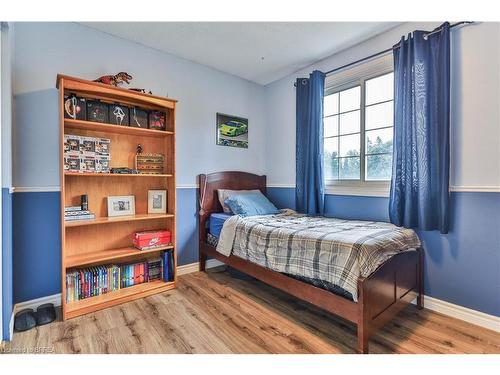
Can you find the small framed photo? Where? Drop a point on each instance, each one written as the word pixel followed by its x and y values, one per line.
pixel 157 201
pixel 121 205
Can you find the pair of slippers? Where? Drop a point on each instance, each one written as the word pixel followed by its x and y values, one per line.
pixel 28 318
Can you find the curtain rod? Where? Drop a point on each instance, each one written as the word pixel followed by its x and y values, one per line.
pixel 390 49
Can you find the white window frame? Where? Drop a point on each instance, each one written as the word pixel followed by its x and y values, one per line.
pixel 346 79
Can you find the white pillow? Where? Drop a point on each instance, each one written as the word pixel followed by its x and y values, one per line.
pixel 225 193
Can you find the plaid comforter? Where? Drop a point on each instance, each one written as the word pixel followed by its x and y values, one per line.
pixel 328 249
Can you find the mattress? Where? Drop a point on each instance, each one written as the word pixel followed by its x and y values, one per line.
pixel 216 222
pixel 328 249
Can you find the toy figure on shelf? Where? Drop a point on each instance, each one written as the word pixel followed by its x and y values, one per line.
pixel 115 80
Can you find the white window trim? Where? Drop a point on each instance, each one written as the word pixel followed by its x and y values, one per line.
pixel 349 78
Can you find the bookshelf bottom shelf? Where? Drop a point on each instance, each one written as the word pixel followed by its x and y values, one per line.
pixel 88 305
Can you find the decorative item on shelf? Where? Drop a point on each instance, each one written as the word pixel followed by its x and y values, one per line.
pixel 157 201
pixel 97 111
pixel 168 265
pixel 152 239
pixel 143 91
pixel 115 80
pixel 148 163
pixel 75 108
pixel 102 147
pixel 86 154
pixel 121 205
pixel 72 163
pixel 138 118
pixel 119 114
pixel 72 145
pixel 84 199
pixel 231 131
pixel 157 120
pixel 124 170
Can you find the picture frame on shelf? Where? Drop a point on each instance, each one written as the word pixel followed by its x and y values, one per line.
pixel 157 201
pixel 121 205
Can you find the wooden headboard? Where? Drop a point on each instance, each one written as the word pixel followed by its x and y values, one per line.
pixel 210 183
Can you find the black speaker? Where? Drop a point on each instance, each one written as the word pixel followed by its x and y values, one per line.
pixel 24 320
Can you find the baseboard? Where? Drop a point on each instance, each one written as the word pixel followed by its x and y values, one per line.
pixel 463 313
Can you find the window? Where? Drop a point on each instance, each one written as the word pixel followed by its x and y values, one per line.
pixel 358 132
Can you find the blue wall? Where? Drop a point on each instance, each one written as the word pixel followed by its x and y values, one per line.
pixel 462 267
pixel 7 262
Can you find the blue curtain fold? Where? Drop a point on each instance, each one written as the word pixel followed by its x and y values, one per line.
pixel 310 186
pixel 419 195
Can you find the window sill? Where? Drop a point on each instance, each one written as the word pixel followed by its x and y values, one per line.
pixel 362 191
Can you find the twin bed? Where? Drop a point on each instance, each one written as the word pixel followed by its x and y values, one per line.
pixel 364 272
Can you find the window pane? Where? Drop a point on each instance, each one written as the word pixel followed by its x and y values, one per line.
pixel 379 141
pixel 378 167
pixel 380 89
pixel 350 99
pixel 330 126
pixel 349 145
pixel 349 122
pixel 331 104
pixel 330 158
pixel 349 168
pixel 379 115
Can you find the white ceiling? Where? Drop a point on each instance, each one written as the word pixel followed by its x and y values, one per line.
pixel 261 52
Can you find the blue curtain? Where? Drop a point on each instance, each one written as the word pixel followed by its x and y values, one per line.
pixel 310 186
pixel 421 154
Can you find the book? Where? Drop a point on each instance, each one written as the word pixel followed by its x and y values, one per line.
pixel 79 217
pixel 72 208
pixel 76 212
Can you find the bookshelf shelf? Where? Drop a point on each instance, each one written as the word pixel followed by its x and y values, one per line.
pixel 119 219
pixel 95 242
pixel 109 128
pixel 92 304
pixel 123 175
pixel 105 255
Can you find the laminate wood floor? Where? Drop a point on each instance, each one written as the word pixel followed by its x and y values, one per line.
pixel 215 313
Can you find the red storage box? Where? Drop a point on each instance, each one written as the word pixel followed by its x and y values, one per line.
pixel 151 239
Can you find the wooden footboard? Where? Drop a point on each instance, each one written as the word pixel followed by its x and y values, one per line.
pixel 382 295
pixel 387 291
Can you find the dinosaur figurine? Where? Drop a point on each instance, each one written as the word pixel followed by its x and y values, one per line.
pixel 115 80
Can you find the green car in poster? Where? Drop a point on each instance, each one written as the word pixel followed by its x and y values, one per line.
pixel 233 128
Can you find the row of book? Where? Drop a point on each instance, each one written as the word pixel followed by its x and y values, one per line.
pixel 95 281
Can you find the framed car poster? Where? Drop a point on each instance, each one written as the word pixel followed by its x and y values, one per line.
pixel 231 131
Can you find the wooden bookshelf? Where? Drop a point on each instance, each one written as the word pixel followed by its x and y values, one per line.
pixel 108 240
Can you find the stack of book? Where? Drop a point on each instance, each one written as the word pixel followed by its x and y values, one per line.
pixel 76 213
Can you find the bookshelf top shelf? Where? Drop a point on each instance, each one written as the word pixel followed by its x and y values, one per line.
pixel 144 175
pixel 99 89
pixel 102 127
